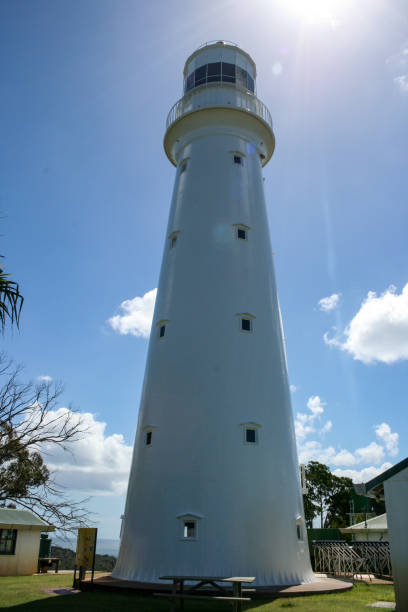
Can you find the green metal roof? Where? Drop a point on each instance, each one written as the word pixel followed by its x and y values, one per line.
pixel 10 518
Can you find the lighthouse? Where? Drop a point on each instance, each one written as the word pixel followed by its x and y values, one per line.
pixel 214 488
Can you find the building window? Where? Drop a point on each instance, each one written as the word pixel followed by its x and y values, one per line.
pixel 189 529
pixel 161 328
pixel 183 166
pixel 148 434
pixel 220 71
pixel 299 528
pixel 173 239
pixel 238 160
pixel 241 231
pixel 246 324
pixel 245 321
pixel 188 526
pixel 251 433
pixel 8 538
pixel 250 436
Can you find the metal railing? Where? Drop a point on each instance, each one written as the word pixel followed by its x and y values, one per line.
pixel 217 95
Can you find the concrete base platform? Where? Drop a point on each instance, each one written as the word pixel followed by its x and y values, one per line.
pixel 319 586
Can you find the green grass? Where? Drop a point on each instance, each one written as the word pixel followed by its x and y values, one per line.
pixel 25 594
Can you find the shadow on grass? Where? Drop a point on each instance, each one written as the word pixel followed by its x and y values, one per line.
pixel 114 602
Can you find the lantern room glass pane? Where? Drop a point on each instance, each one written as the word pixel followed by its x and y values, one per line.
pixel 228 72
pixel 200 75
pixel 190 82
pixel 241 77
pixel 214 72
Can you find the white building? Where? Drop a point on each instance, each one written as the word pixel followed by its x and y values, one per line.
pixel 20 532
pixel 372 530
pixel 214 487
pixel 392 486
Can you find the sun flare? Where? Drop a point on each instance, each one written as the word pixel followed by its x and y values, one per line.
pixel 316 11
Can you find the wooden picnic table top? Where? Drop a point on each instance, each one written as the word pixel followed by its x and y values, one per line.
pixel 211 578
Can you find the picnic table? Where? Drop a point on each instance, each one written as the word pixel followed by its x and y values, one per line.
pixel 44 563
pixel 178 591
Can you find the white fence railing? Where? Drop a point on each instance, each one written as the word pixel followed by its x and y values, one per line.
pixel 218 96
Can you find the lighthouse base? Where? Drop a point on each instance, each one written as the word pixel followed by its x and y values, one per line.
pixel 318 585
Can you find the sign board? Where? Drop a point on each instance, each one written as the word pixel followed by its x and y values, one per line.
pixel 86 545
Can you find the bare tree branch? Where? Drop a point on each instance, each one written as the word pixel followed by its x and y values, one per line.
pixel 31 424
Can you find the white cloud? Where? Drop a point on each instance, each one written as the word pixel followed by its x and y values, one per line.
pixel 305 422
pixel 136 317
pixel 398 63
pixel 341 458
pixel 96 464
pixel 293 388
pixel 373 453
pixel 326 427
pixel 363 475
pixel 44 378
pixel 390 439
pixel 402 82
pixel 329 303
pixel 316 405
pixel 379 330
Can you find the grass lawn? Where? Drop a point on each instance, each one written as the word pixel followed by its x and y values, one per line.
pixel 25 594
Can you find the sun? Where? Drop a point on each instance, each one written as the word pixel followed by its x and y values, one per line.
pixel 316 11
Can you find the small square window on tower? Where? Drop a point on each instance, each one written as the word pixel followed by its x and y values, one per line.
pixel 161 328
pixel 189 526
pixel 148 434
pixel 173 239
pixel 238 160
pixel 251 433
pixel 246 321
pixel 300 531
pixel 189 529
pixel 241 231
pixel 246 324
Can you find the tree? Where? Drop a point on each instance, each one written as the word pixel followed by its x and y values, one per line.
pixel 30 425
pixel 11 300
pixel 328 496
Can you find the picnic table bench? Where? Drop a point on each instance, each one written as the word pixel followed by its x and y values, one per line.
pixel 178 591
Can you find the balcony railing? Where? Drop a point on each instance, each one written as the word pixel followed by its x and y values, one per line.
pixel 217 95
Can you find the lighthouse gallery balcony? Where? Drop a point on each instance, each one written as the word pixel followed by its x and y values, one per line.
pixel 218 95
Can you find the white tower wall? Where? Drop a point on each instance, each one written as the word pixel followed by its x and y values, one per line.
pixel 207 379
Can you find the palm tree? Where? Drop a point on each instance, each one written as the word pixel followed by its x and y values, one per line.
pixel 11 300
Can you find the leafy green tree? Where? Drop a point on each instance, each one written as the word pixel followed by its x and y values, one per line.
pixel 328 496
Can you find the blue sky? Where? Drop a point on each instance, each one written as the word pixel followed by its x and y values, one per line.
pixel 86 187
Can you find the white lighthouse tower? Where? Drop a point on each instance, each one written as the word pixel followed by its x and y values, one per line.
pixel 214 487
